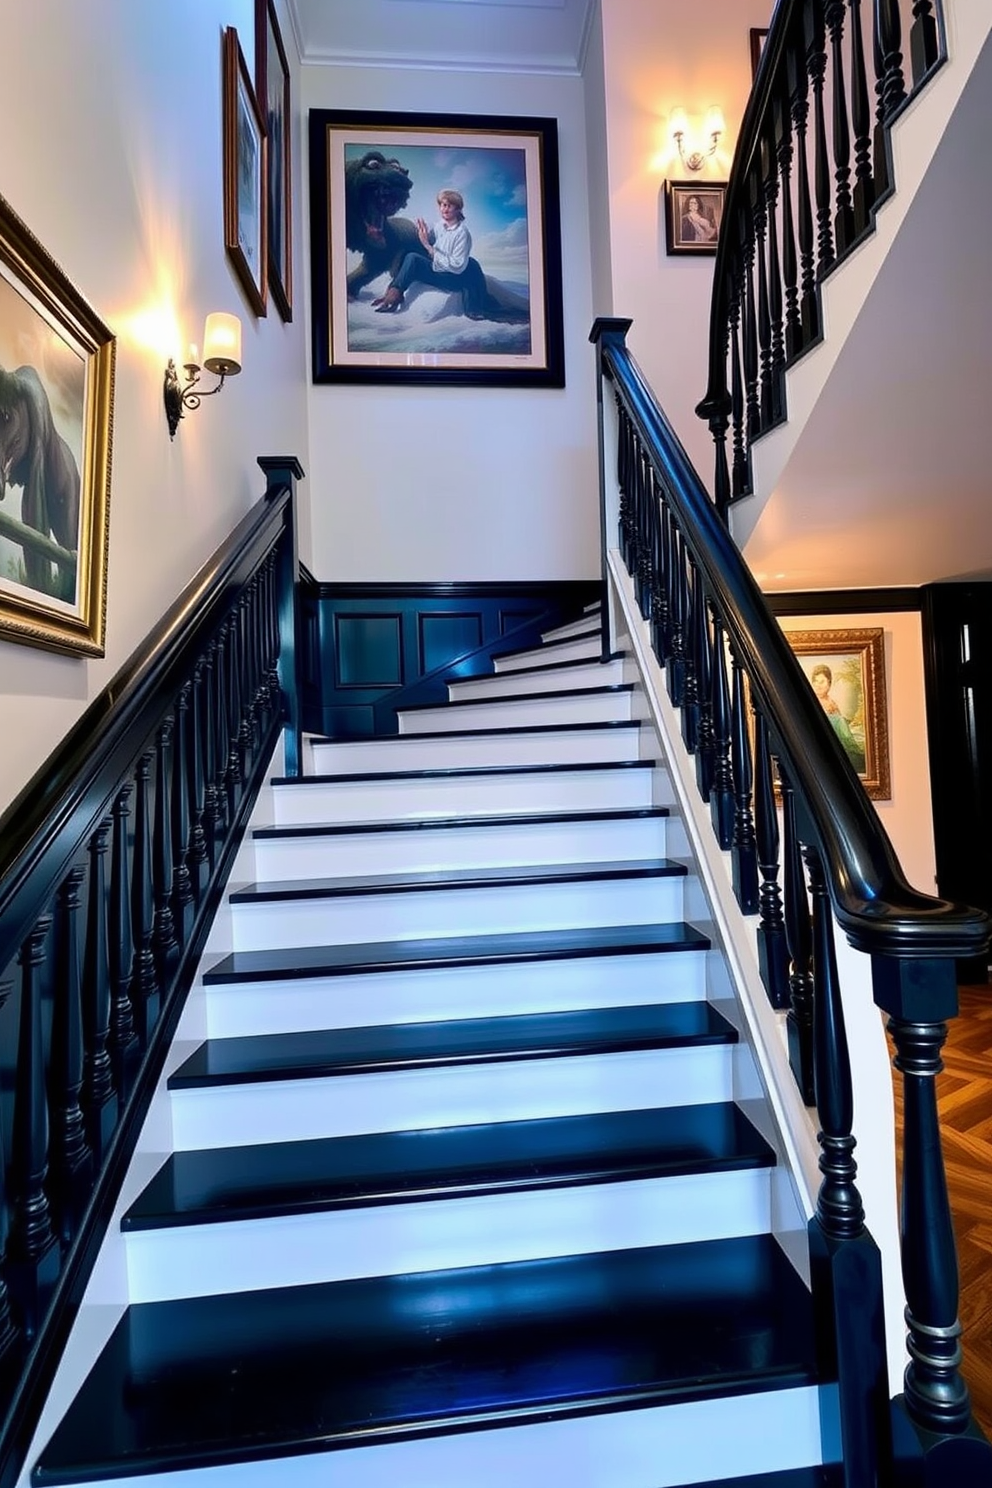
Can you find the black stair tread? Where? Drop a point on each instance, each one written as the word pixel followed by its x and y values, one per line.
pixel 480 733
pixel 538 666
pixel 461 950
pixel 393 1046
pixel 464 772
pixel 456 878
pixel 524 697
pixel 333 1173
pixel 449 823
pixel 253 1375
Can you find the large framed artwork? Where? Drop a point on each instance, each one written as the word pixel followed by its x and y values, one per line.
pixel 435 249
pixel 846 670
pixel 272 90
pixel 245 191
pixel 56 421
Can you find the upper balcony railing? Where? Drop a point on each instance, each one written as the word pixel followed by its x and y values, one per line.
pixel 813 163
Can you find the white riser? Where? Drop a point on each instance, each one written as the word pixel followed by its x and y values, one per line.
pixel 659 1447
pixel 507 684
pixel 422 849
pixel 430 913
pixel 565 632
pixel 606 707
pixel 405 799
pixel 243 1008
pixel 459 1095
pixel 201 1260
pixel 575 650
pixel 456 751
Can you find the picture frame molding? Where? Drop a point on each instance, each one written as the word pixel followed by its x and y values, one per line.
pixel 869 642
pixel 674 244
pixel 39 621
pixel 279 274
pixel 237 83
pixel 326 367
pixel 757 36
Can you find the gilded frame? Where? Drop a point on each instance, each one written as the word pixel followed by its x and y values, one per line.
pixel 245 176
pixel 57 363
pixel 272 89
pixel 846 669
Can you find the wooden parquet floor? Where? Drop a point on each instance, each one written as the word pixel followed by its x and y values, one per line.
pixel 964 1100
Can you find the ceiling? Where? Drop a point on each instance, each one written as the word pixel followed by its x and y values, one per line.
pixel 542 36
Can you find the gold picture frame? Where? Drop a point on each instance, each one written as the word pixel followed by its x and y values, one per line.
pixel 846 669
pixel 57 361
pixel 245 177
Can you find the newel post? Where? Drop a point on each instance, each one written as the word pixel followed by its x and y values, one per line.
pixel 607 331
pixel 282 471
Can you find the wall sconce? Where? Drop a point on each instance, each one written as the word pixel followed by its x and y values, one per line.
pixel 221 355
pixel 693 159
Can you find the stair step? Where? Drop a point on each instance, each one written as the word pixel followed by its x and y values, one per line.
pixel 543 677
pixel 278 1178
pixel 585 645
pixel 246 1376
pixel 588 705
pixel 463 901
pixel 540 744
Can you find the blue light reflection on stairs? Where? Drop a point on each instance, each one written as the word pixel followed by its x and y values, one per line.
pixel 459 1190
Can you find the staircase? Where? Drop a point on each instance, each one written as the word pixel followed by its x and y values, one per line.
pixel 459 1193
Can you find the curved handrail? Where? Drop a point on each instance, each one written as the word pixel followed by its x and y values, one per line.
pixel 877 908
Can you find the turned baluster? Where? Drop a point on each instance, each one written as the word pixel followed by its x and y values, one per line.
pixel 924 48
pixel 703 644
pixel 743 851
pixel 760 215
pixel 835 15
pixel 675 669
pixel 198 857
pixel 773 954
pixel 33 1266
pixel 793 341
pixel 890 85
pixel 664 580
pixel 272 655
pixel 99 1095
pixel 798 936
pixel 809 305
pixel 816 67
pixel 182 883
pixel 775 303
pixel 124 1049
pixel 864 184
pixel 741 479
pixel 10 1336
pixel 212 810
pixel 145 991
pixel 750 358
pixel 72 1160
pixel 642 567
pixel 690 687
pixel 625 536
pixel 246 715
pixel 164 932
pixel 722 794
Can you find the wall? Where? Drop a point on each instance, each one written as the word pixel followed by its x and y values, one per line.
pixel 908 817
pixel 427 485
pixel 657 58
pixel 115 109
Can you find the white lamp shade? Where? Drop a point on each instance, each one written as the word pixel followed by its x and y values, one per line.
pixel 222 344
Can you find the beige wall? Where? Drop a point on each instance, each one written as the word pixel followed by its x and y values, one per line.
pixel 113 160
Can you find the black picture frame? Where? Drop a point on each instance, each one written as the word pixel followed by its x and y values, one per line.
pixel 511 335
pixel 757 36
pixel 272 88
pixel 682 237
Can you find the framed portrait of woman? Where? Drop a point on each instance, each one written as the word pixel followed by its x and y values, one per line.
pixel 693 215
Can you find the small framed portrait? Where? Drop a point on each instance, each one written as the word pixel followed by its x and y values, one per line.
pixel 245 191
pixel 693 215
pixel 272 92
pixel 435 249
pixel 846 670
pixel 56 421
pixel 758 35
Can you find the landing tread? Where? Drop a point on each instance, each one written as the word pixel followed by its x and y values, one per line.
pixel 456 878
pixel 330 1174
pixel 464 950
pixel 461 772
pixel 395 1046
pixel 247 1376
pixel 449 823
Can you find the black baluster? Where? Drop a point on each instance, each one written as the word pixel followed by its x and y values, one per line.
pixel 741 478
pixel 625 535
pixel 234 773
pixel 750 359
pixel 145 991
pixel 793 330
pixel 99 1095
pixel 775 305
pixel 809 305
pixel 722 794
pixel 703 645
pixel 246 696
pixel 10 1336
pixel 272 661
pixel 773 954
pixel 164 940
pixel 659 601
pixel 662 600
pixel 675 669
pixel 743 851
pixel 798 936
pixel 182 883
pixel 33 1265
pixel 816 67
pixel 890 86
pixel 212 813
pixel 835 16
pixel 72 1160
pixel 690 690
pixel 198 857
pixel 864 184
pixel 124 1049
pixel 923 45
pixel 760 214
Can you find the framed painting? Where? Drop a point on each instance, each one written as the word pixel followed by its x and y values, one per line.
pixel 758 35
pixel 245 204
pixel 693 215
pixel 435 249
pixel 272 91
pixel 56 421
pixel 846 670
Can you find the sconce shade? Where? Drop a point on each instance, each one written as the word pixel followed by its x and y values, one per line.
pixel 222 344
pixel 678 122
pixel 714 123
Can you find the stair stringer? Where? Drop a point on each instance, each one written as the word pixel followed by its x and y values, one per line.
pixel 915 137
pixel 764 1085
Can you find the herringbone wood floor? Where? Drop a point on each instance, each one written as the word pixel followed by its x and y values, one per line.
pixel 964 1099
